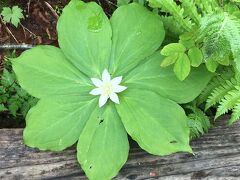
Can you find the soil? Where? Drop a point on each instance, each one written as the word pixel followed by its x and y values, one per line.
pixel 38 27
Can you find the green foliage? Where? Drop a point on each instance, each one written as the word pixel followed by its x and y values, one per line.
pixel 183 59
pixel 223 74
pixel 182 66
pixel 221 36
pixel 209 30
pixel 12 15
pixel 198 121
pixel 13 99
pixel 67 112
pixel 196 57
pixel 170 6
pixel 223 93
pixel 125 2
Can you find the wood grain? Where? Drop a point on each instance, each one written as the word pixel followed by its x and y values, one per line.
pixel 217 156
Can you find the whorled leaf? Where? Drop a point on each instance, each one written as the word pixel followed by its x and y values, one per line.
pixel 45 71
pixel 84 35
pixel 139 37
pixel 158 125
pixel 56 123
pixel 148 76
pixel 103 144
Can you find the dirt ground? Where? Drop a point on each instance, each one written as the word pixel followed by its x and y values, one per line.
pixel 39 25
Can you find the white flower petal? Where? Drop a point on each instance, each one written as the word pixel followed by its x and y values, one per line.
pixel 97 82
pixel 116 80
pixel 106 76
pixel 96 91
pixel 102 100
pixel 114 98
pixel 118 88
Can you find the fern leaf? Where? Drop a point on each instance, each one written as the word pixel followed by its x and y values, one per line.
pixel 233 35
pixel 172 28
pixel 228 102
pixel 235 114
pixel 190 10
pixel 226 73
pixel 221 36
pixel 219 92
pixel 198 121
pixel 207 7
pixel 170 6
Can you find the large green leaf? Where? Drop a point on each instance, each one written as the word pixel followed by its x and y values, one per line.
pixel 137 33
pixel 103 145
pixel 56 123
pixel 44 71
pixel 158 125
pixel 163 80
pixel 84 35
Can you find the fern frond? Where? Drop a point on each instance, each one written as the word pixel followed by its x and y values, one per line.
pixel 224 74
pixel 219 92
pixel 207 7
pixel 228 102
pixel 190 10
pixel 221 36
pixel 198 121
pixel 235 113
pixel 170 6
pixel 172 28
pixel 233 35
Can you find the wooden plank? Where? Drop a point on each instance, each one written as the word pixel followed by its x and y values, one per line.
pixel 217 155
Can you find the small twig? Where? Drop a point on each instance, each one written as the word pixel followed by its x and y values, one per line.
pixel 24 28
pixel 48 33
pixel 108 1
pixel 16 46
pixel 28 6
pixel 51 9
pixel 8 30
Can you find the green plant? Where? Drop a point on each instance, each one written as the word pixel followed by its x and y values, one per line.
pixel 67 82
pixel 198 121
pixel 223 92
pixel 13 99
pixel 202 32
pixel 12 15
pixel 125 2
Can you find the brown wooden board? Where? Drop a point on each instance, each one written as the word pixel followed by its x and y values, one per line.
pixel 217 155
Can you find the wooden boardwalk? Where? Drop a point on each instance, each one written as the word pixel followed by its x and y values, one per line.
pixel 217 156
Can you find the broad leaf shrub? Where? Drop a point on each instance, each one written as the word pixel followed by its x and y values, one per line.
pixel 64 78
pixel 200 32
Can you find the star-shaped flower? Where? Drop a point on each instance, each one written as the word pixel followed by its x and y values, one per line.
pixel 107 88
pixel 126 45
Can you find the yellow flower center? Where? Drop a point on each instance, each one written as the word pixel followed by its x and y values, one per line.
pixel 107 88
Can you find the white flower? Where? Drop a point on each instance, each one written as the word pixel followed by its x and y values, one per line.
pixel 107 88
